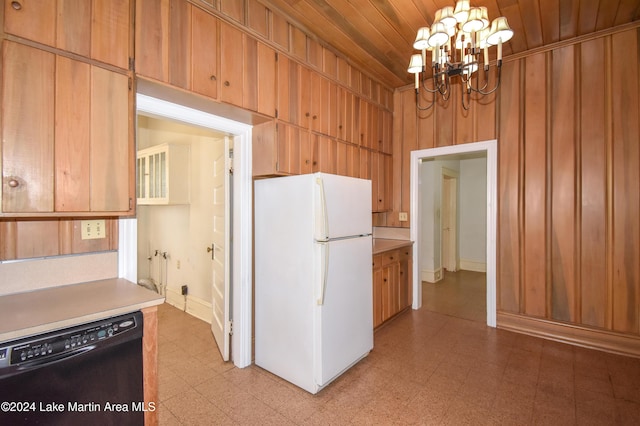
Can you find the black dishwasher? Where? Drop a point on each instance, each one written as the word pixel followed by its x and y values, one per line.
pixel 88 374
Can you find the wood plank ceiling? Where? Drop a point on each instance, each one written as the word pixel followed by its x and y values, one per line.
pixel 377 35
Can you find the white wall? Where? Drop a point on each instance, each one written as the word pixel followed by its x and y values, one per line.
pixel 183 231
pixel 471 214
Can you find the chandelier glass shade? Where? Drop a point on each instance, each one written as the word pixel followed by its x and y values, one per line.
pixel 458 44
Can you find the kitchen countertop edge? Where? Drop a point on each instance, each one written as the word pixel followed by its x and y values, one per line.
pixel 380 245
pixel 41 311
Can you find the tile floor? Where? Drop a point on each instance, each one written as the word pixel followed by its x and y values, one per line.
pixel 427 367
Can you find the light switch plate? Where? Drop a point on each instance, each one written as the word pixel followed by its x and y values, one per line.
pixel 93 229
pixel 403 216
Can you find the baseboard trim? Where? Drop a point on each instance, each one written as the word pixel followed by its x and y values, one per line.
pixel 192 305
pixel 200 308
pixel 608 341
pixel 472 265
pixel 431 276
pixel 174 298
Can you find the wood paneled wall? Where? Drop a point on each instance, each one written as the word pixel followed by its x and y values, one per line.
pixel 567 125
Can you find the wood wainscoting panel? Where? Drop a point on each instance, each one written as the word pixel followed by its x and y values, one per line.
pixel 626 182
pixel 535 186
pixel 563 185
pixel 604 340
pixel 593 186
pixel 509 189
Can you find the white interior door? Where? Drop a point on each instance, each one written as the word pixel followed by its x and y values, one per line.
pixel 220 324
pixel 449 223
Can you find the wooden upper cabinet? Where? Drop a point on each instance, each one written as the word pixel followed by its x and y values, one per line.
pixel 177 43
pixel 75 152
pixel 96 29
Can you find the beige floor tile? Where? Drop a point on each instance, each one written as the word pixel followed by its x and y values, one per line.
pixel 437 366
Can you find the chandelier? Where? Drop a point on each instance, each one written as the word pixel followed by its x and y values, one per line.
pixel 458 42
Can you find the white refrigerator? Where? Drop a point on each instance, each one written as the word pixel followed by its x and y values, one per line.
pixel 313 276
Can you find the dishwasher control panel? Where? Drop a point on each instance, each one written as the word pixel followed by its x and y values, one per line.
pixel 58 343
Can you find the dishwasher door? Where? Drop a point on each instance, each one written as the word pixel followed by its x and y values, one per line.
pixel 90 374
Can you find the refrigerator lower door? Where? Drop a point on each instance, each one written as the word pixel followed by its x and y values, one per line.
pixel 344 321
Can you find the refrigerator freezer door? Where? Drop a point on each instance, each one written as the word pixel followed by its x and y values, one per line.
pixel 344 322
pixel 343 206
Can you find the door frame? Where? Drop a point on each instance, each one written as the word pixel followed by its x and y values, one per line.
pixel 491 149
pixel 241 269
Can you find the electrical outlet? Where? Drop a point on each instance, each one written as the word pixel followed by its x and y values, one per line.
pixel 177 264
pixel 92 229
pixel 403 216
pixel 184 290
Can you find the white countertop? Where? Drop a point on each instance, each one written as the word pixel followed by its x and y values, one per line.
pixel 41 311
pixel 380 245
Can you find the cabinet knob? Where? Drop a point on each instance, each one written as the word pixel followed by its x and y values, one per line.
pixel 212 78
pixel 307 114
pixel 13 183
pixel 226 83
pixel 315 116
pixel 16 5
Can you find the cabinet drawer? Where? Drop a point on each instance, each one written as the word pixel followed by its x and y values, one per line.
pixel 389 257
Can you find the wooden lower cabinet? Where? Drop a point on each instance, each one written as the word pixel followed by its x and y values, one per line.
pixel 391 284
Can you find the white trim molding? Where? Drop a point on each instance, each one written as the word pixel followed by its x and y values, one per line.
pixel 491 149
pixel 472 265
pixel 431 276
pixel 241 267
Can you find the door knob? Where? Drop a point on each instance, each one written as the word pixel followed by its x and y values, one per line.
pixel 211 249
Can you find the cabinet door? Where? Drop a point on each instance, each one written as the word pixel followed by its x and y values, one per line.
pixel 96 29
pixel 152 39
pixel 31 19
pixel 325 154
pixel 180 53
pixel 306 151
pixel 27 129
pixel 110 32
pixel 259 93
pixel 289 99
pixel 204 44
pixel 231 64
pixel 377 297
pixel 73 26
pixel 72 135
pixel 328 107
pixel 112 150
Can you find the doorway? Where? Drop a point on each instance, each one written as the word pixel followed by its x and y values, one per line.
pixel 240 268
pixel 421 225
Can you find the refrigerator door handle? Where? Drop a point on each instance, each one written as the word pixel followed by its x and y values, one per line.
pixel 325 273
pixel 325 220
